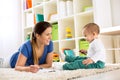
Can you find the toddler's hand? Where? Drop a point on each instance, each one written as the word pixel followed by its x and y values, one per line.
pixel 83 51
pixel 87 61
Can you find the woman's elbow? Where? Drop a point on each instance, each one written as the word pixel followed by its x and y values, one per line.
pixel 49 65
pixel 16 67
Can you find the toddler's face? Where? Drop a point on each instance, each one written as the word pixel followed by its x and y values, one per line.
pixel 88 36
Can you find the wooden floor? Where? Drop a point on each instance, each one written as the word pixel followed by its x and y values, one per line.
pixel 112 75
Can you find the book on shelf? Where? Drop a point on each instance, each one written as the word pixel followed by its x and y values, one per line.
pixel 83 45
pixel 55 31
pixel 65 8
pixel 39 18
pixel 27 4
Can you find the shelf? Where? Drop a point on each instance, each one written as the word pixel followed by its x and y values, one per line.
pixel 50 8
pixel 28 10
pixel 56 47
pixel 53 21
pixel 85 13
pixel 29 27
pixel 82 13
pixel 79 5
pixel 113 49
pixel 68 44
pixel 70 39
pixel 80 21
pixel 37 6
pixel 66 17
pixel 111 31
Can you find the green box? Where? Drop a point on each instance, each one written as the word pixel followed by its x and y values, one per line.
pixel 39 17
pixel 69 53
pixel 83 44
pixel 55 31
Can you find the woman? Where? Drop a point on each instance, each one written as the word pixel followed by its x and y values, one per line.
pixel 36 53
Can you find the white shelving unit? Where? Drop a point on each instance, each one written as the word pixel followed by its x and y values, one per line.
pixel 103 13
pixel 111 31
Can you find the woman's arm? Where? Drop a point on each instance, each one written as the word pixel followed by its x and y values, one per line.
pixel 20 65
pixel 49 61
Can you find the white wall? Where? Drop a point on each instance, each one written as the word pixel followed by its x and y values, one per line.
pixel 102 13
pixel 10 27
pixel 115 10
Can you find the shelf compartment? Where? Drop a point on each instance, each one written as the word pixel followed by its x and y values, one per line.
pixel 26 31
pixel 81 20
pixel 65 8
pixel 67 44
pixel 38 13
pixel 80 5
pixel 38 9
pixel 29 19
pixel 56 46
pixel 63 24
pixel 110 31
pixel 50 10
pixel 107 41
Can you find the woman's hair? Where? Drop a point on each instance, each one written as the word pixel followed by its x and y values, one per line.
pixel 39 28
pixel 92 27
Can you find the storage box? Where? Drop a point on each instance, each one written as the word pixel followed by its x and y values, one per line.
pixel 39 17
pixel 83 44
pixel 55 31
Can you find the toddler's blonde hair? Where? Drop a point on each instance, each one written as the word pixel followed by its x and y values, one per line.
pixel 92 27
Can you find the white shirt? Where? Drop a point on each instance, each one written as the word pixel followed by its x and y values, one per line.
pixel 96 51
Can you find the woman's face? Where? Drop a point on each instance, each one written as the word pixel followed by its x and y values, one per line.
pixel 45 37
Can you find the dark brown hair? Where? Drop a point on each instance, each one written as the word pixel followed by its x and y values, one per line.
pixel 39 28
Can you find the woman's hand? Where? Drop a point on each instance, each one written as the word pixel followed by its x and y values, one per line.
pixel 34 68
pixel 87 61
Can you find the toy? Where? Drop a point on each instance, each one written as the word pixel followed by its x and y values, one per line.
pixel 29 35
pixel 68 32
pixel 66 52
pixel 56 57
pixel 83 45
